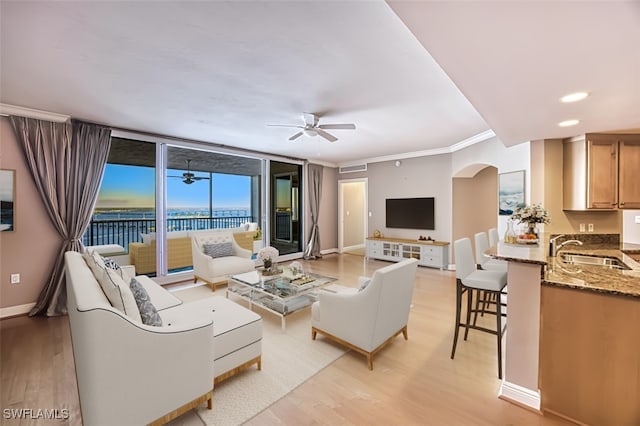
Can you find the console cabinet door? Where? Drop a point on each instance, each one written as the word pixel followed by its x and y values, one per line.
pixel 629 172
pixel 602 157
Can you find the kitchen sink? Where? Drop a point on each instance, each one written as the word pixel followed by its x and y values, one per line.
pixel 581 259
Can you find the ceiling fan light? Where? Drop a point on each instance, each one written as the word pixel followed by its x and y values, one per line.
pixel 310 132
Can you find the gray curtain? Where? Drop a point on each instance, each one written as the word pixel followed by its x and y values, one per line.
pixel 66 161
pixel 315 192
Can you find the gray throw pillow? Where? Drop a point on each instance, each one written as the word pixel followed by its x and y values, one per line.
pixel 364 284
pixel 148 312
pixel 218 250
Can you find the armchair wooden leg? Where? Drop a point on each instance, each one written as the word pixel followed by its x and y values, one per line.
pixel 313 334
pixel 404 333
pixel 370 361
pixel 210 403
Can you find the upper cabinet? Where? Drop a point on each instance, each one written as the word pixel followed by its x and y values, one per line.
pixel 629 172
pixel 600 172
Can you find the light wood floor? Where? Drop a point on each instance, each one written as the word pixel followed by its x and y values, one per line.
pixel 413 382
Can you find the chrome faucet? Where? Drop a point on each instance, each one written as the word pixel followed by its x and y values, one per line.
pixel 555 248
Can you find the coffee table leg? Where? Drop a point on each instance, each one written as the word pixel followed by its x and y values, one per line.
pixel 284 324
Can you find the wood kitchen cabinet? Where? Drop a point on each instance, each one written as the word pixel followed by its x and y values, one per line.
pixel 600 172
pixel 629 172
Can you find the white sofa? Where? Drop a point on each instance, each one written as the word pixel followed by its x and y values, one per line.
pixel 215 270
pixel 130 373
pixel 367 320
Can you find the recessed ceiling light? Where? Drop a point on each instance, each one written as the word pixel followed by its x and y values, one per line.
pixel 568 123
pixel 574 97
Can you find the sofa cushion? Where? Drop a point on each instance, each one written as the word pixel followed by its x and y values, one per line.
pixel 148 312
pixel 118 293
pixel 218 250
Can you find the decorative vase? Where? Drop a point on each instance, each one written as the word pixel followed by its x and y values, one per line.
pixel 532 229
pixel 267 264
pixel 510 235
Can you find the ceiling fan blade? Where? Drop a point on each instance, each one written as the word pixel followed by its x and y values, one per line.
pixel 337 126
pixel 310 119
pixel 326 135
pixel 199 178
pixel 285 125
pixel 296 136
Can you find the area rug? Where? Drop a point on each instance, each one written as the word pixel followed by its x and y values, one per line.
pixel 289 358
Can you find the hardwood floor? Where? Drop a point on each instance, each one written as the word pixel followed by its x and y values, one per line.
pixel 413 382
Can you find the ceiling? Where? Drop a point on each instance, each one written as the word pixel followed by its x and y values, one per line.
pixel 219 72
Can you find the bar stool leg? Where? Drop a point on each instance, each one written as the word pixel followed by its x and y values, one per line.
pixel 458 309
pixel 470 292
pixel 499 333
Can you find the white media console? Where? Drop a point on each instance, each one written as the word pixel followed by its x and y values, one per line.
pixel 434 254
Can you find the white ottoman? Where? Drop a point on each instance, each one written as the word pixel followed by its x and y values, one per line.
pixel 237 333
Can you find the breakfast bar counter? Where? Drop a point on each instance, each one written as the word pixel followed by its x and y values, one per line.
pixel 573 342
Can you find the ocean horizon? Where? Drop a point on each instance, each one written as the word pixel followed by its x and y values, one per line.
pixel 174 212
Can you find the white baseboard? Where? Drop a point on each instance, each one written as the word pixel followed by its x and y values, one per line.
pixel 12 311
pixel 520 395
pixel 329 251
pixel 355 247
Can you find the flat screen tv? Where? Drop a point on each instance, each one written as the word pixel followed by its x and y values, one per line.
pixel 410 213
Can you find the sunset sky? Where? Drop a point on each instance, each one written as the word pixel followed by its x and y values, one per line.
pixel 134 187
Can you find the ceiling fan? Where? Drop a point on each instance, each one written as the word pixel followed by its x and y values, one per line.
pixel 312 128
pixel 188 177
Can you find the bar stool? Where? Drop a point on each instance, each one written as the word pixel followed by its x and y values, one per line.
pixel 468 279
pixel 494 238
pixel 484 262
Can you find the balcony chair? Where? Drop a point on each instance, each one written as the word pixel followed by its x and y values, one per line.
pixel 366 320
pixel 469 279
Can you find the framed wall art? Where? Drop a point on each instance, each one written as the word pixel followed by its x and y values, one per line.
pixel 510 192
pixel 7 200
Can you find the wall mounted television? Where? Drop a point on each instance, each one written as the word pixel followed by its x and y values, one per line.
pixel 410 213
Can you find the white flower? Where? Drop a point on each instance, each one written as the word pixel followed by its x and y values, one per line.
pixel 268 253
pixel 531 214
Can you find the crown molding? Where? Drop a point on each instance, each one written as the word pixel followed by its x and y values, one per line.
pixel 480 137
pixel 6 110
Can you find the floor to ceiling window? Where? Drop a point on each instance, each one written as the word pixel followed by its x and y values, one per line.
pixel 200 190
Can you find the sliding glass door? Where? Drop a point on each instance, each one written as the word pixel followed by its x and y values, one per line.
pixel 154 195
pixel 286 194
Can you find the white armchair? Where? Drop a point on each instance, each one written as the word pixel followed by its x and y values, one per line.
pixel 225 257
pixel 367 320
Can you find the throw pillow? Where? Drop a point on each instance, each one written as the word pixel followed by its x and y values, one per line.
pixel 148 312
pixel 111 264
pixel 118 293
pixel 364 284
pixel 218 250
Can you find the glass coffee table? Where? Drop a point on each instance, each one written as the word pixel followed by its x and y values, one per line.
pixel 281 294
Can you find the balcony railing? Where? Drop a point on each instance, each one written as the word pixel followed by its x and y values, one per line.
pixel 125 231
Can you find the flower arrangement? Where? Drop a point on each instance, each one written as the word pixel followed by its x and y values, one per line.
pixel 296 268
pixel 531 214
pixel 268 255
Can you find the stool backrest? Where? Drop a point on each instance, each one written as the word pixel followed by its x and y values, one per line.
pixel 464 258
pixel 482 244
pixel 493 237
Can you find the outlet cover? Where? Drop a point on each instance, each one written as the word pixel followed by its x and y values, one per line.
pixel 582 227
pixel 15 278
pixel 591 227
pixel 637 219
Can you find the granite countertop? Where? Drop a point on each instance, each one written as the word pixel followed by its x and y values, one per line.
pixel 580 277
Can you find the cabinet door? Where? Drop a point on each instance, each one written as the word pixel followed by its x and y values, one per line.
pixel 602 158
pixel 629 172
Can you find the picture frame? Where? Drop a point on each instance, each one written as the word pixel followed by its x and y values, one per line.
pixel 7 200
pixel 511 194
